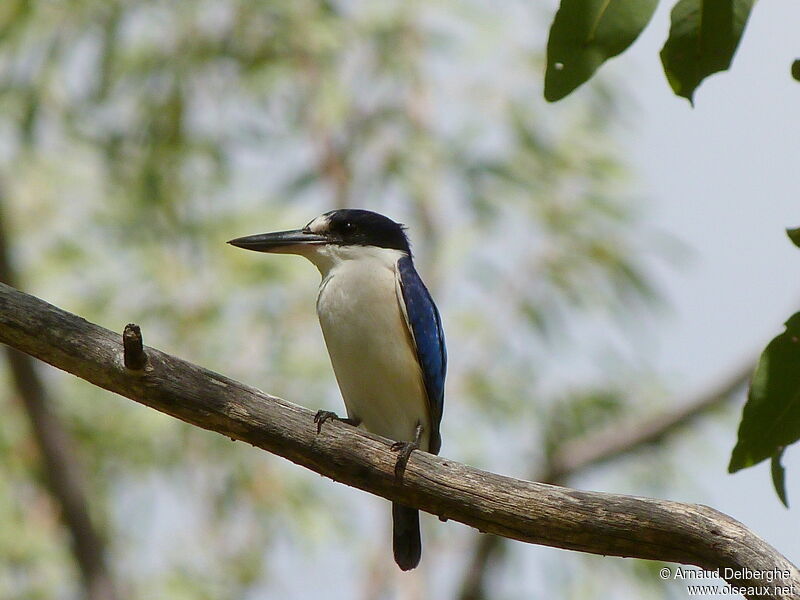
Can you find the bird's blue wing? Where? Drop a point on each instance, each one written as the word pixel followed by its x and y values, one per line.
pixel 426 331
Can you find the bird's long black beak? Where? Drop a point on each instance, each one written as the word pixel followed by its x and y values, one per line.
pixel 278 241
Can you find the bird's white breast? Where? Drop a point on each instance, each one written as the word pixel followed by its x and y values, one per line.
pixel 368 340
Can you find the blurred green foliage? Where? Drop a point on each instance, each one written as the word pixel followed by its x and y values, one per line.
pixel 136 137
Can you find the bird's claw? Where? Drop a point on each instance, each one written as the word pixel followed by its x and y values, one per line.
pixel 404 450
pixel 327 415
pixel 322 416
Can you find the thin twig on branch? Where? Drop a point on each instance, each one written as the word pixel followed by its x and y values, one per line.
pixel 133 355
pixel 538 513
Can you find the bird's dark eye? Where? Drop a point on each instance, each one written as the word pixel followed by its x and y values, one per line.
pixel 348 226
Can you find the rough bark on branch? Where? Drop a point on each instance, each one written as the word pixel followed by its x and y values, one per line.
pixel 538 513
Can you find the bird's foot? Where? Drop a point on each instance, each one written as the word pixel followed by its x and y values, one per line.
pixel 326 415
pixel 404 450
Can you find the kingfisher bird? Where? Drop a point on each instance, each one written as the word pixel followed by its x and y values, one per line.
pixel 384 337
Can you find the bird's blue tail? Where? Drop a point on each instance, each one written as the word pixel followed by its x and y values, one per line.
pixel 406 540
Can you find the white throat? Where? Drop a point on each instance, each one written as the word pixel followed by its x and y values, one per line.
pixel 329 258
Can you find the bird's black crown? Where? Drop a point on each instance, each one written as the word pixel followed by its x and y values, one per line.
pixel 358 227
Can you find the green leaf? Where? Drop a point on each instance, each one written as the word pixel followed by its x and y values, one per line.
pixel 794 235
pixel 702 40
pixel 779 476
pixel 585 34
pixel 796 69
pixel 771 416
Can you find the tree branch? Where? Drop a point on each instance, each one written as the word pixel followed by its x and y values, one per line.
pixel 632 434
pixel 63 475
pixel 538 513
